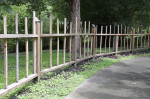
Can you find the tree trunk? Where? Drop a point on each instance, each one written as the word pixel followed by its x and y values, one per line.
pixel 75 12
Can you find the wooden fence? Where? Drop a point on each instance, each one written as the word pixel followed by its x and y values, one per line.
pixel 92 44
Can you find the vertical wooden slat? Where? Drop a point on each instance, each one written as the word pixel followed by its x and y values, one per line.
pixel 101 37
pixel 114 37
pixel 138 37
pixel 57 42
pixel 17 49
pixel 38 50
pixel 121 38
pixel 149 37
pixel 131 39
pixel 96 39
pixel 76 28
pixel 5 55
pixel 34 44
pixel 91 43
pixel 88 38
pixel 110 39
pixel 116 41
pixel 41 49
pixel 74 50
pixel 144 38
pixel 64 48
pixel 27 46
pixel 125 38
pixel 106 40
pixel 141 36
pixel 50 41
pixel 84 38
pixel 81 40
pixel 70 41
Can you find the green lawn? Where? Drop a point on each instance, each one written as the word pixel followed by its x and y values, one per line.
pixel 59 86
pixel 22 64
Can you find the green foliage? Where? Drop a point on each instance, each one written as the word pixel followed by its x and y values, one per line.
pixel 6 4
pixel 59 86
pixel 59 8
pixel 106 12
pixel 22 13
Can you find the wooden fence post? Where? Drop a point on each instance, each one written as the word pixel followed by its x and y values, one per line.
pixel 124 39
pixel 27 46
pixel 121 38
pixel 80 40
pixel 17 49
pixel 100 49
pixel 88 37
pixel 127 38
pixel 38 49
pixel 132 40
pixel 64 47
pixel 57 42
pixel 41 46
pixel 138 37
pixel 116 41
pixel 149 38
pixel 34 43
pixel 141 36
pixel 105 40
pixel 50 41
pixel 74 50
pixel 110 39
pixel 84 38
pixel 5 55
pixel 70 41
pixel 94 41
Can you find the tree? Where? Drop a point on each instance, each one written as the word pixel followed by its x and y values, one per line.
pixel 74 6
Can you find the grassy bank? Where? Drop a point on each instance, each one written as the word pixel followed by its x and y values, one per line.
pixel 57 85
pixel 22 64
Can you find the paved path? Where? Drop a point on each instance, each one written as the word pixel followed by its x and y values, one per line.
pixel 125 80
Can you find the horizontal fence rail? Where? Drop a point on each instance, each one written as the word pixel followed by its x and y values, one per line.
pixel 92 41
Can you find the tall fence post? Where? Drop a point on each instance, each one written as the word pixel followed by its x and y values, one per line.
pixel 94 40
pixel 116 41
pixel 34 44
pixel 74 50
pixel 36 47
pixel 38 50
pixel 132 40
pixel 5 55
pixel 149 38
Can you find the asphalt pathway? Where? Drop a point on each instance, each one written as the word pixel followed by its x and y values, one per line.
pixel 129 79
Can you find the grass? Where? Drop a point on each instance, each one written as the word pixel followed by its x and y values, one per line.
pixel 58 86
pixel 22 64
